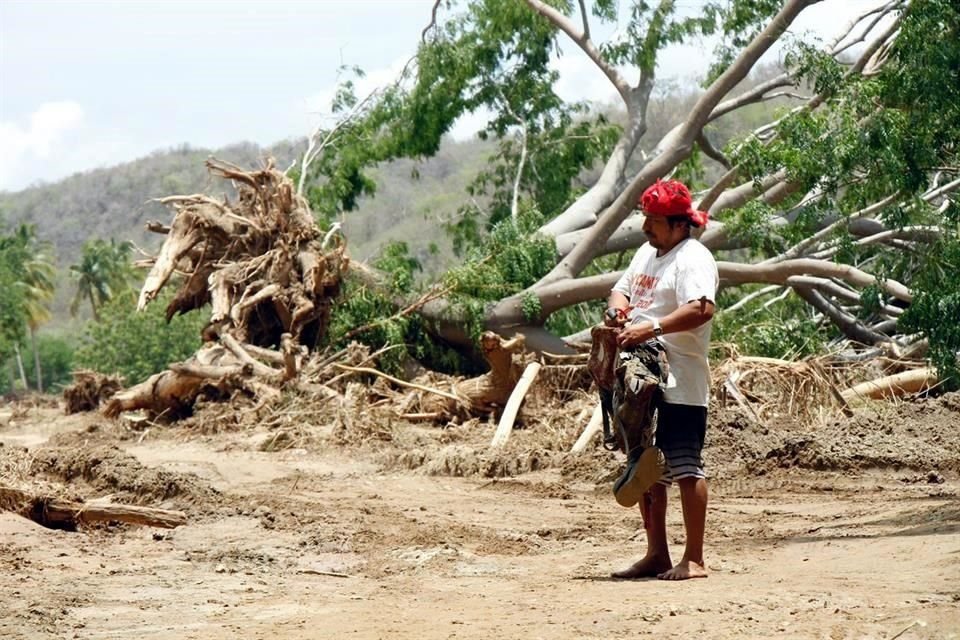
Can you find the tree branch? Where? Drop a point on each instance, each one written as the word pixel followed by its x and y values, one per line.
pixel 585 19
pixel 584 252
pixel 777 273
pixel 848 324
pixel 922 233
pixel 582 40
pixel 800 247
pixel 433 21
pixel 711 151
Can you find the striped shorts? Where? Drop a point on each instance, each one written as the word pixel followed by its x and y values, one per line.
pixel 681 429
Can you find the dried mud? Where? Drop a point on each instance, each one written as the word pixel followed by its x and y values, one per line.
pixel 365 527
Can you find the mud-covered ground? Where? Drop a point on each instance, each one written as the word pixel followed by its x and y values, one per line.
pixel 846 529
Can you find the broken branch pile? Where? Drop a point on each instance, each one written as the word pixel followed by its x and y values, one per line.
pixel 812 388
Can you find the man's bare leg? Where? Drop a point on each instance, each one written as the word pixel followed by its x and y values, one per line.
pixel 657 558
pixel 693 498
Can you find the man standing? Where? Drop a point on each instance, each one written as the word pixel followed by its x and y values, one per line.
pixel 669 292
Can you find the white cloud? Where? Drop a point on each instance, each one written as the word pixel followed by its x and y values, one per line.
pixel 37 141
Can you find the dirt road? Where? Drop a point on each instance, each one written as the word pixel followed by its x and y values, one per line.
pixel 329 543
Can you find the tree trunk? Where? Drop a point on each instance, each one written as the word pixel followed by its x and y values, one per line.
pixel 585 209
pixel 93 307
pixel 23 375
pixel 894 386
pixel 36 360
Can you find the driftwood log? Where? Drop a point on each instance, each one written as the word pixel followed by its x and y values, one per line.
pixel 505 426
pixel 893 386
pixel 55 513
pixel 263 266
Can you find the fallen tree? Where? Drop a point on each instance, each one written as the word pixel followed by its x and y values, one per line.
pixel 843 200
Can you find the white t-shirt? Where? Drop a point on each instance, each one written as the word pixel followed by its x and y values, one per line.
pixel 656 287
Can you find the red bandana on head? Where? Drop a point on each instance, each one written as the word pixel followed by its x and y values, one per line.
pixel 671 198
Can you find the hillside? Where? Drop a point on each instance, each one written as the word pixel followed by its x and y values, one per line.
pixel 412 202
pixel 114 202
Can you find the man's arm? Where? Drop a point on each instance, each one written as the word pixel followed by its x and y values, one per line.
pixel 686 317
pixel 617 301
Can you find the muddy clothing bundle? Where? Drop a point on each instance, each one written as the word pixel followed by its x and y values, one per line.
pixel 631 386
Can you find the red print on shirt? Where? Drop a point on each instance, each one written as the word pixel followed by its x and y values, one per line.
pixel 642 290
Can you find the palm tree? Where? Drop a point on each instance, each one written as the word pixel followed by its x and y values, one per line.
pixel 103 270
pixel 35 283
pixel 38 288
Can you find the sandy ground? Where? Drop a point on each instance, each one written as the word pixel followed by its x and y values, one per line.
pixel 330 543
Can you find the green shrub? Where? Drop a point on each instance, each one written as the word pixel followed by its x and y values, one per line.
pixel 137 345
pixel 935 309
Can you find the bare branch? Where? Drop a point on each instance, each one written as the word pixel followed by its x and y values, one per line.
pixel 777 273
pixel 718 187
pixel 753 95
pixel 879 12
pixel 711 151
pixel 515 199
pixel 922 233
pixel 396 381
pixel 848 324
pixel 433 21
pixel 747 299
pixel 582 40
pixel 799 248
pixel 585 18
pixel 315 147
pixel 583 253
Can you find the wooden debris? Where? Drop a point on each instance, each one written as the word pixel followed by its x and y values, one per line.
pixel 89 389
pixel 56 513
pixel 513 405
pixel 590 431
pixel 489 392
pixel 894 386
pixel 442 394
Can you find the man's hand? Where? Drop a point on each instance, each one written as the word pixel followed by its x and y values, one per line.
pixel 635 334
pixel 615 317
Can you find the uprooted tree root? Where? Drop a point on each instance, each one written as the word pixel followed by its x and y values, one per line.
pixel 261 264
pixel 270 279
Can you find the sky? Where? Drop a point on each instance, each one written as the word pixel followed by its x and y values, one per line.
pixel 88 84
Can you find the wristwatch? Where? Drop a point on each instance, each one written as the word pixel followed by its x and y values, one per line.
pixel 657 331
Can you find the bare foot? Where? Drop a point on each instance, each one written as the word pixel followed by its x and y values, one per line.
pixel 646 567
pixel 684 570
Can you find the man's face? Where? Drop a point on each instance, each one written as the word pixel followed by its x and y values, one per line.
pixel 661 235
